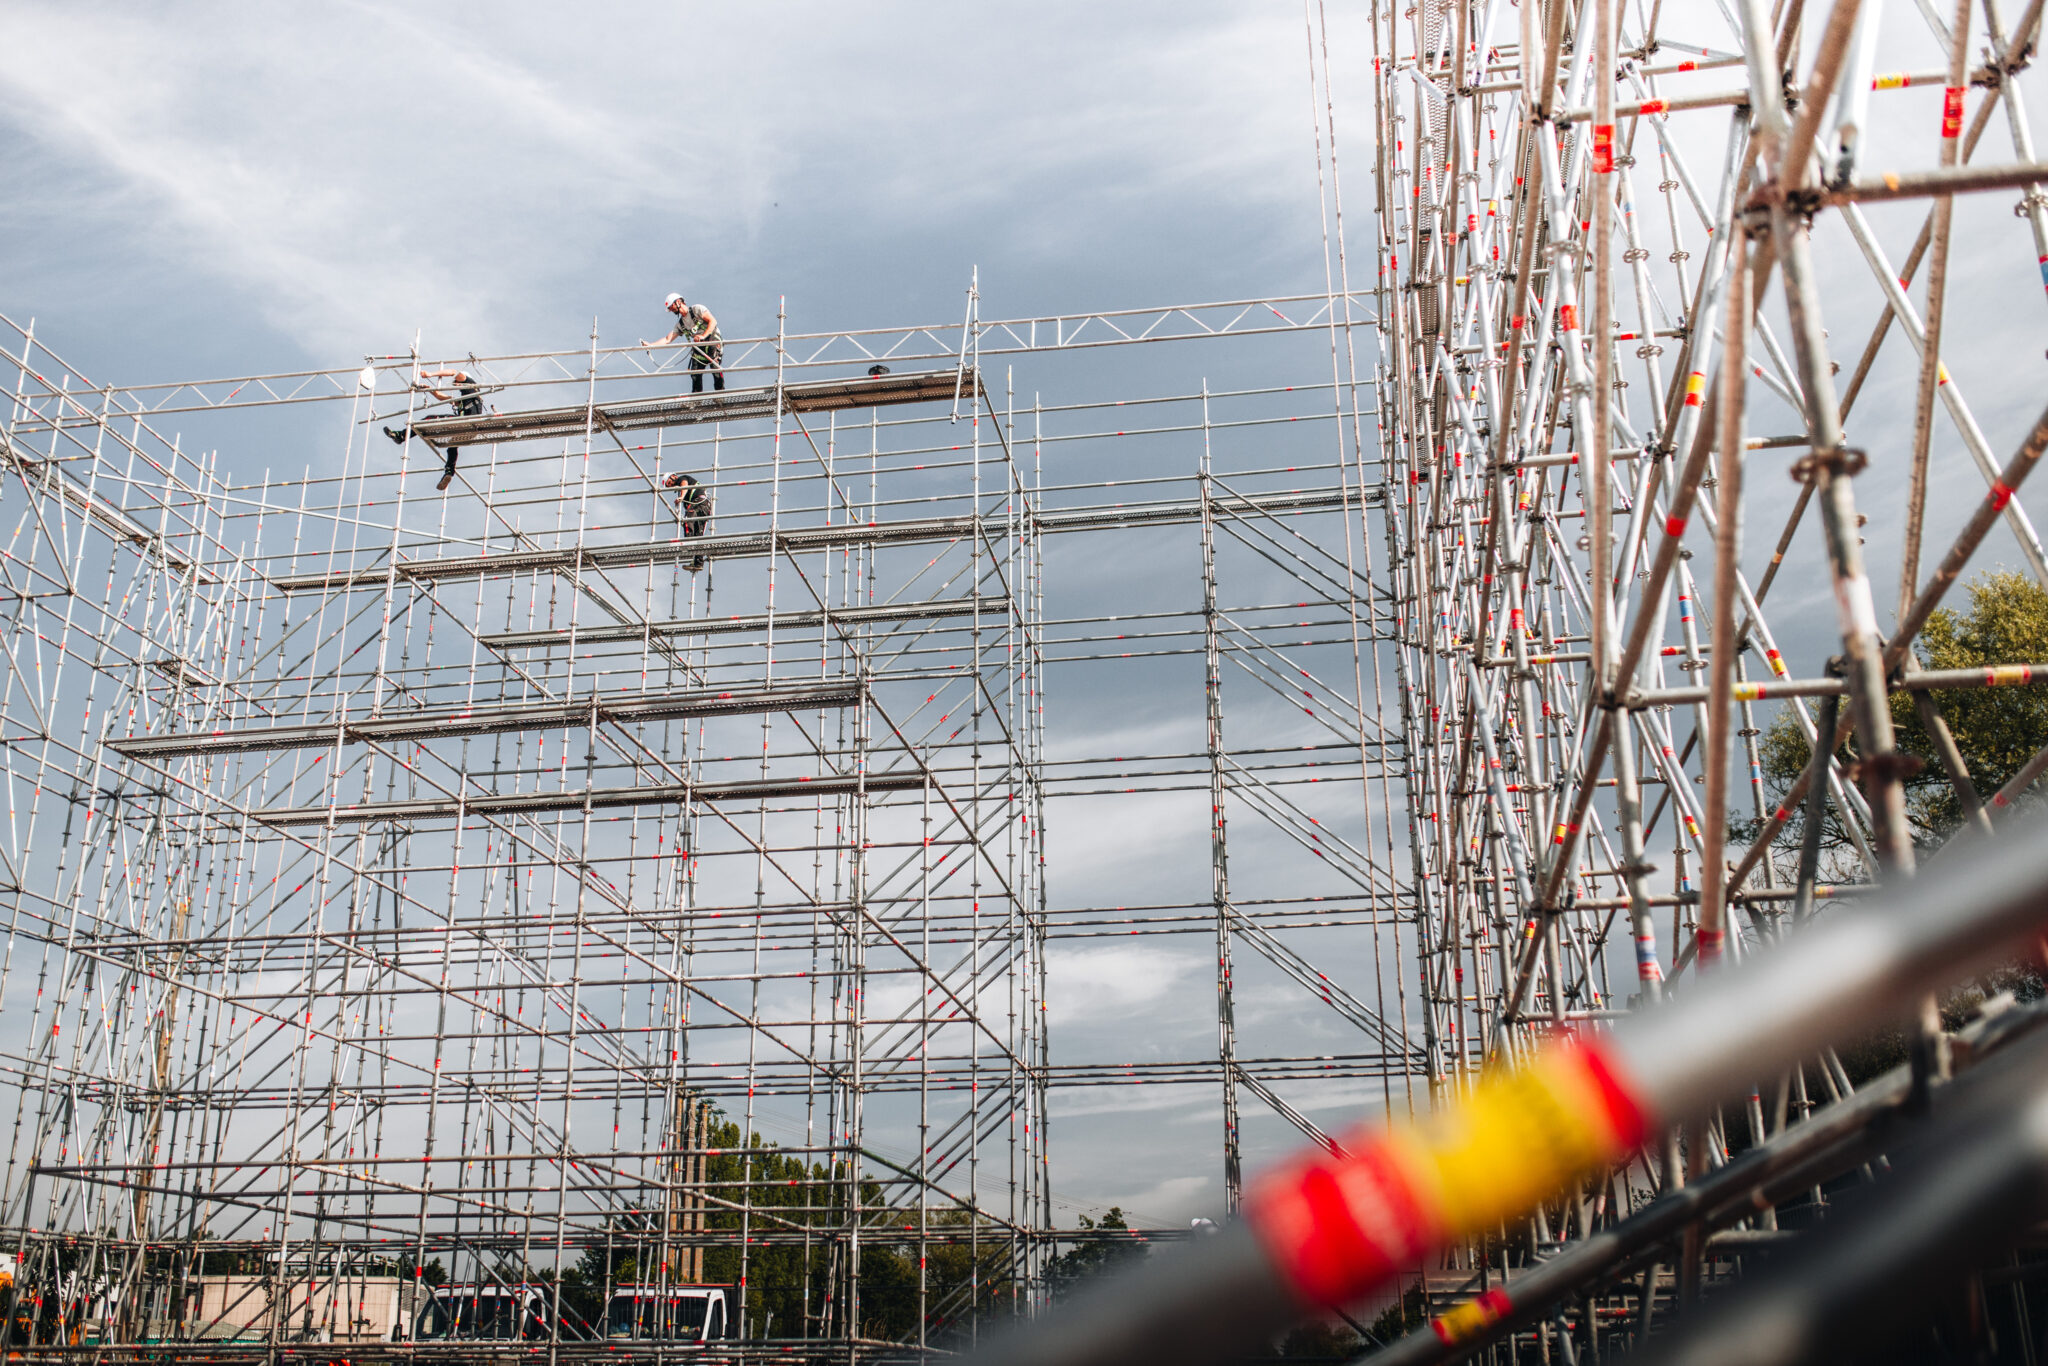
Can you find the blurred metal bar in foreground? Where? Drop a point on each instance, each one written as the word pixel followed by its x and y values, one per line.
pixel 1974 1177
pixel 1322 1231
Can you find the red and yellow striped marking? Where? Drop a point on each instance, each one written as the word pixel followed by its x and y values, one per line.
pixel 1336 1227
pixel 1466 1321
pixel 1891 80
pixel 2004 675
pixel 1748 692
pixel 1695 389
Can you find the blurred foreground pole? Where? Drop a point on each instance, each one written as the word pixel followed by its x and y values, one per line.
pixel 1323 1230
pixel 1957 1192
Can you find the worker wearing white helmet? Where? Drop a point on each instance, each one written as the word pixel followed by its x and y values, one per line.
pixel 695 325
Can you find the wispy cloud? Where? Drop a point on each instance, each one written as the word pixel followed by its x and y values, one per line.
pixel 1113 981
pixel 353 172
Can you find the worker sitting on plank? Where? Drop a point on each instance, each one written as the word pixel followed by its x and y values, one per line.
pixel 695 325
pixel 693 507
pixel 467 400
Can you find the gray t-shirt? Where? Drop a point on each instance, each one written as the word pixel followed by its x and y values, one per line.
pixel 696 324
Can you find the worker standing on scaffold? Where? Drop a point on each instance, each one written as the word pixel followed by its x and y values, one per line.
pixel 693 508
pixel 467 401
pixel 695 325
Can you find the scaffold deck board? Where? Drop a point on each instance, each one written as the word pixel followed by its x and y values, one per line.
pixel 542 714
pixel 921 530
pixel 721 405
pixel 597 798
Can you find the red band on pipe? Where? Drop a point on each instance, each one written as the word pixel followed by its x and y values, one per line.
pixel 1952 112
pixel 2000 494
pixel 1674 527
pixel 1334 1225
pixel 1630 1125
pixel 1603 149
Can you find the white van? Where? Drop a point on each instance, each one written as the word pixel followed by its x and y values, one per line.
pixel 493 1313
pixel 671 1313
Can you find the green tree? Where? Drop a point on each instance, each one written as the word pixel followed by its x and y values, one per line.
pixel 1996 729
pixel 1111 1248
pixel 793 1261
pixel 1322 1340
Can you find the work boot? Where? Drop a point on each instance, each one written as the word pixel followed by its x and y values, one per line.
pixel 447 473
pixel 696 564
pixel 397 438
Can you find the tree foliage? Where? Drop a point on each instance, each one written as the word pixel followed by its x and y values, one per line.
pixel 793 1283
pixel 1996 729
pixel 1091 1257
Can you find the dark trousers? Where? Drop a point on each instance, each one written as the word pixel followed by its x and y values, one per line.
pixel 710 356
pixel 399 436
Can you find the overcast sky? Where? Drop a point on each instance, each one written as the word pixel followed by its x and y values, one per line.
pixel 221 189
pixel 213 189
pixel 216 190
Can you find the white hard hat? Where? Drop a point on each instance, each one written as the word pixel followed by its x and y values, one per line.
pixel 671 299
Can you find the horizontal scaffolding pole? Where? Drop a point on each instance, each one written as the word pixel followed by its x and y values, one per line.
pixel 535 803
pixel 543 714
pixel 922 530
pixel 1990 676
pixel 709 626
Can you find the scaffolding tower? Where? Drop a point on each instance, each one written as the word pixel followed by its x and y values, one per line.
pixel 531 886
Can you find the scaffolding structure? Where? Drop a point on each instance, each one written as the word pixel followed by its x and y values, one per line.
pixel 527 884
pixel 533 887
pixel 1612 240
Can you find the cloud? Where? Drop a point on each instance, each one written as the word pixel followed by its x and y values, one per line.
pixel 1123 1100
pixel 355 172
pixel 344 167
pixel 1117 981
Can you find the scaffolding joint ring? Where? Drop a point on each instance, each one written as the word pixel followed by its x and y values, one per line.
pixel 1844 460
